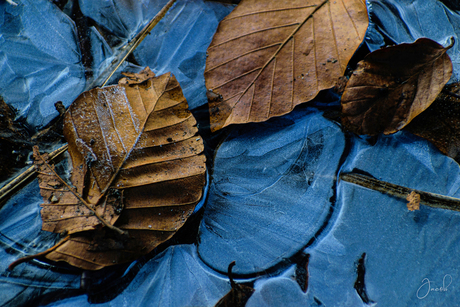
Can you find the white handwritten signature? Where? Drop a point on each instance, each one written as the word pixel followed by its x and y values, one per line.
pixel 426 287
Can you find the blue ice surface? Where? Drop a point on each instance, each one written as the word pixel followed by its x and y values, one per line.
pixel 174 278
pixel 122 18
pixel 39 59
pixel 402 247
pixel 21 235
pixel 404 21
pixel 271 191
pixel 280 290
pixel 179 42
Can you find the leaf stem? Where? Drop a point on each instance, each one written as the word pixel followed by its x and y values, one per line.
pixel 429 199
pixel 31 257
pixel 103 221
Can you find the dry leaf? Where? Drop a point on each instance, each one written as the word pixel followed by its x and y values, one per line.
pixel 137 161
pixel 393 85
pixel 413 201
pixel 440 123
pixel 238 295
pixel 268 56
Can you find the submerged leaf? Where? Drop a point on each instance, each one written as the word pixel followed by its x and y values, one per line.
pixel 269 56
pixel 238 295
pixel 440 123
pixel 137 162
pixel 393 85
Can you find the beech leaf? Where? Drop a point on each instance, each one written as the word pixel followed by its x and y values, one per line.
pixel 268 56
pixel 440 123
pixel 393 85
pixel 138 164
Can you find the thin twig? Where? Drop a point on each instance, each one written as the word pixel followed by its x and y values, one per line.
pixel 13 184
pixel 138 39
pixel 80 198
pixel 429 199
pixel 31 257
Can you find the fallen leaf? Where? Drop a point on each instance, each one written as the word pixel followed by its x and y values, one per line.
pixel 391 86
pixel 238 295
pixel 440 123
pixel 269 56
pixel 413 201
pixel 137 165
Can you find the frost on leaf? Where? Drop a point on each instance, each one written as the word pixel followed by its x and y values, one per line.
pixel 138 172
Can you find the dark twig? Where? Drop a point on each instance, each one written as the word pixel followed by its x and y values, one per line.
pixel 426 198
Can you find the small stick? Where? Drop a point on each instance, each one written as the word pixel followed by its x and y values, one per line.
pixel 13 184
pixel 429 199
pixel 139 38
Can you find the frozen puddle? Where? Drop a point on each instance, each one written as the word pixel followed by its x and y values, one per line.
pixel 272 192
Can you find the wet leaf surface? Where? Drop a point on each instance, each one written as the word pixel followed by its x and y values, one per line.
pixel 269 56
pixel 393 85
pixel 137 161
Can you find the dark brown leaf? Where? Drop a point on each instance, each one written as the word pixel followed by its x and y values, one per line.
pixel 138 172
pixel 268 56
pixel 440 123
pixel 238 295
pixel 391 86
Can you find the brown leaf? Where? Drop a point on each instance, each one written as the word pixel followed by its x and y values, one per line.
pixel 238 295
pixel 440 123
pixel 393 85
pixel 135 151
pixel 268 56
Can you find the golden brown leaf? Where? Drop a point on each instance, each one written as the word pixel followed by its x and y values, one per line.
pixel 393 85
pixel 268 56
pixel 137 161
pixel 413 201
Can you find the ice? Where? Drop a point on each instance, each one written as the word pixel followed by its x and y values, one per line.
pixel 179 42
pixel 20 235
pixel 402 247
pixel 38 55
pixel 123 18
pixel 271 191
pixel 175 277
pixel 404 21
